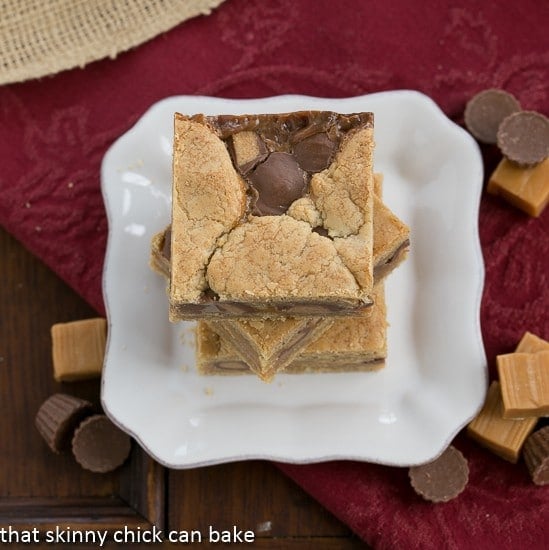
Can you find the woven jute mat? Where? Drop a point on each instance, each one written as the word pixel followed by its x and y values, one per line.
pixel 42 37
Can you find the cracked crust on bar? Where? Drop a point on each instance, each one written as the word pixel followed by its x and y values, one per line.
pixel 226 261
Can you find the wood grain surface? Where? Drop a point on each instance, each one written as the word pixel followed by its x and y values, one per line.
pixel 41 489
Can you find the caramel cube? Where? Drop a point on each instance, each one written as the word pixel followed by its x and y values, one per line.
pixel 503 436
pixel 78 349
pixel 530 343
pixel 525 188
pixel 524 379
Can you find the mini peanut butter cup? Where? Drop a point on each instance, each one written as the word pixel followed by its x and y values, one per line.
pixel 99 446
pixel 443 479
pixel 523 138
pixel 58 417
pixel 486 111
pixel 536 456
pixel 279 181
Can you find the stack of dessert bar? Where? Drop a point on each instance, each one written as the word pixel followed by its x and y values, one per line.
pixel 279 242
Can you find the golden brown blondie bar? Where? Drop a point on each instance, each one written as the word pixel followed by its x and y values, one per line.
pixel 272 215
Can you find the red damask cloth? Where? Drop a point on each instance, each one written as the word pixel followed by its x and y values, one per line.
pixel 55 131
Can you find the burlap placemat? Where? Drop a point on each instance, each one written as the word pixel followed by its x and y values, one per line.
pixel 41 37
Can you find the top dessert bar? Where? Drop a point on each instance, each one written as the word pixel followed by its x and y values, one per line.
pixel 272 215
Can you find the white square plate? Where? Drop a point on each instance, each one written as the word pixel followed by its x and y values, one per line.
pixel 435 377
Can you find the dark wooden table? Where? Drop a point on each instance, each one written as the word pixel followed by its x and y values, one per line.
pixel 41 490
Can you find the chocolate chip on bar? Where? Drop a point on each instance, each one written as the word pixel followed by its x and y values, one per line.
pixel 530 343
pixel 536 456
pixel 315 153
pixel 524 379
pixel 442 479
pixel 503 436
pixel 523 138
pixel 58 417
pixel 485 112
pixel 525 188
pixel 278 181
pixel 99 446
pixel 78 349
pixel 236 251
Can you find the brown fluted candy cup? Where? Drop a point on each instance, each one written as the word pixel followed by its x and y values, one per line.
pixel 536 456
pixel 485 112
pixel 443 479
pixel 99 446
pixel 58 417
pixel 523 138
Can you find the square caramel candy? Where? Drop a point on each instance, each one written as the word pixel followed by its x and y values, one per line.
pixel 78 349
pixel 503 436
pixel 527 188
pixel 524 379
pixel 271 215
pixel 530 343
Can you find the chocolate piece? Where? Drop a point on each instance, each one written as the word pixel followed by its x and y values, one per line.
pixel 485 112
pixel 99 446
pixel 536 456
pixel 78 349
pixel 503 436
pixel 315 153
pixel 523 138
pixel 525 188
pixel 57 418
pixel 272 265
pixel 248 151
pixel 279 181
pixel 524 379
pixel 443 479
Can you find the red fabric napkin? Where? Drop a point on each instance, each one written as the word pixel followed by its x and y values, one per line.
pixel 54 132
